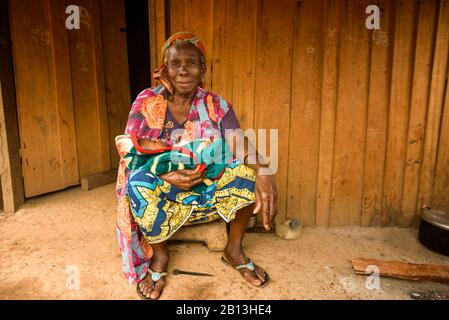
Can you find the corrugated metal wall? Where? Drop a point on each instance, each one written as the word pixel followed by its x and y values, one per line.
pixel 362 115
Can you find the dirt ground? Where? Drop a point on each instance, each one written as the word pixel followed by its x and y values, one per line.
pixel 52 234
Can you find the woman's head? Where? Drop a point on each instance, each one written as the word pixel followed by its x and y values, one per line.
pixel 184 67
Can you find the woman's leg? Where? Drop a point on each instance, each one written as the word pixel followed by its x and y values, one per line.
pixel 159 263
pixel 234 252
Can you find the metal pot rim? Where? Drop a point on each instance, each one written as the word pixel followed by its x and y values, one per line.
pixel 437 218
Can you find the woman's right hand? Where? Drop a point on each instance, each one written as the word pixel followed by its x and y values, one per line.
pixel 184 179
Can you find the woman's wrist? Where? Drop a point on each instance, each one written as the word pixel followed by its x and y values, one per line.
pixel 256 163
pixel 263 170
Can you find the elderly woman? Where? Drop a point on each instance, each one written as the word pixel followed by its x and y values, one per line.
pixel 158 195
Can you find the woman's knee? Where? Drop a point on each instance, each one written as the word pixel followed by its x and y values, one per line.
pixel 246 210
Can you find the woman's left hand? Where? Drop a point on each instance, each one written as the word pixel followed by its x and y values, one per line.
pixel 266 196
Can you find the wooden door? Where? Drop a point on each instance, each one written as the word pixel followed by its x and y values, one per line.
pixel 72 89
pixel 44 95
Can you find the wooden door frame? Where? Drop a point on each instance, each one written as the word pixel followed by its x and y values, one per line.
pixel 12 188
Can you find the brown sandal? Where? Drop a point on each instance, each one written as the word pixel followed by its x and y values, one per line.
pixel 249 266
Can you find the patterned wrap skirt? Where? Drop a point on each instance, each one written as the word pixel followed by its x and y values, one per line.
pixel 160 209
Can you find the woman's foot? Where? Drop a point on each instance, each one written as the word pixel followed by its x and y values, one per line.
pixel 159 262
pixel 236 257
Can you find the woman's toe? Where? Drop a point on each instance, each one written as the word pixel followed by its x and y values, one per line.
pixel 146 291
pixel 256 281
pixel 148 294
pixel 143 287
pixel 261 274
pixel 252 278
pixel 156 292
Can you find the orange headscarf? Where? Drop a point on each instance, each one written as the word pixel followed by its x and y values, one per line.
pixel 159 73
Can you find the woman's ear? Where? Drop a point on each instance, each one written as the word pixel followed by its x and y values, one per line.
pixel 164 72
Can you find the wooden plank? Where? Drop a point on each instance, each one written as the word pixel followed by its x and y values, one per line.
pixel 244 52
pixel 115 70
pixel 66 123
pixel 305 112
pixel 103 130
pixel 440 198
pixel 351 117
pixel 436 101
pixel 88 92
pixel 37 96
pixel 161 31
pixel 419 103
pixel 401 270
pixel 11 186
pixel 403 52
pixel 222 55
pixel 157 32
pixel 273 82
pixel 152 33
pixel 331 36
pixel 184 18
pixel 180 15
pixel 98 180
pixel 204 28
pixel 377 117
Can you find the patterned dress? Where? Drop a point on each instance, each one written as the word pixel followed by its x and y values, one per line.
pixel 150 209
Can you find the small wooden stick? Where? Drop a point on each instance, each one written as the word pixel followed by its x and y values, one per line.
pixel 407 271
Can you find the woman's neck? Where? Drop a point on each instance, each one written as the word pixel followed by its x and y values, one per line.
pixel 180 99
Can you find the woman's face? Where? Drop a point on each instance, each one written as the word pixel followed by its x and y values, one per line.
pixel 184 68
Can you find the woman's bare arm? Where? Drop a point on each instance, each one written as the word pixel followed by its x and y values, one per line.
pixel 152 145
pixel 265 189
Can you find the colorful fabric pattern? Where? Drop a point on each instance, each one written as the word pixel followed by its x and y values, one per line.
pixel 160 209
pixel 211 155
pixel 187 36
pixel 150 210
pixel 173 129
pixel 152 103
